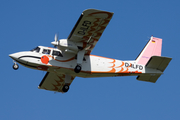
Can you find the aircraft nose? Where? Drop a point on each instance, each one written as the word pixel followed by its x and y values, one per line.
pixel 13 56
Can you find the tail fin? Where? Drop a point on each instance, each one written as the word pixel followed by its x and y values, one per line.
pixel 152 48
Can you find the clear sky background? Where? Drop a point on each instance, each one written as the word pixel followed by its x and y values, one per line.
pixel 25 24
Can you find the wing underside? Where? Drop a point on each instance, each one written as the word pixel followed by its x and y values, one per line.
pixel 53 82
pixel 90 27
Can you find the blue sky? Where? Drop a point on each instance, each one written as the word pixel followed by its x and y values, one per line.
pixel 26 24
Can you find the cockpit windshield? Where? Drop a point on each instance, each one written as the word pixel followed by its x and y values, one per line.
pixel 36 49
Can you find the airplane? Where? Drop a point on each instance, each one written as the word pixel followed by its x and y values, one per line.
pixel 72 57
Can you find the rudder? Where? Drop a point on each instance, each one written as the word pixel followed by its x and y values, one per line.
pixel 152 48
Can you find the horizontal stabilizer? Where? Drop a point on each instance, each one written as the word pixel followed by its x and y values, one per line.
pixel 158 62
pixel 155 62
pixel 148 77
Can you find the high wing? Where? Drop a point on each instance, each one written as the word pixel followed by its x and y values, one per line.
pixel 90 27
pixel 54 82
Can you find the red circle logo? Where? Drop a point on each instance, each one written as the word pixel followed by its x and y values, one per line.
pixel 44 59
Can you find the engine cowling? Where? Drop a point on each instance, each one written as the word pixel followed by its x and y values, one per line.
pixel 65 44
pixel 68 46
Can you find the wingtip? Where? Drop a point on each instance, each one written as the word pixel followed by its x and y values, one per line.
pixel 39 87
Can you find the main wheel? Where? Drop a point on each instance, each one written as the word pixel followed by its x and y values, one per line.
pixel 77 69
pixel 15 66
pixel 65 88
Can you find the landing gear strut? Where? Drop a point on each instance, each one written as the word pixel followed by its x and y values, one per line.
pixel 80 56
pixel 67 81
pixel 15 66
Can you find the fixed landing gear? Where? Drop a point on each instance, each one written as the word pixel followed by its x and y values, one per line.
pixel 15 66
pixel 80 56
pixel 67 81
pixel 77 69
pixel 65 88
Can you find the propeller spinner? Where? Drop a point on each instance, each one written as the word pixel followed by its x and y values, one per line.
pixel 55 42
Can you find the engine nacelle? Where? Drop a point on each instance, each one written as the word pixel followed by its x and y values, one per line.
pixel 68 46
pixel 64 44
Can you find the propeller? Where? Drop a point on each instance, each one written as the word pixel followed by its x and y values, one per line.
pixel 55 42
pixel 56 38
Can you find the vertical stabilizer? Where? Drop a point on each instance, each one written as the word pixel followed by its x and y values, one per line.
pixel 152 48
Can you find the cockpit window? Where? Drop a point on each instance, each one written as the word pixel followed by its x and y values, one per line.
pixel 57 53
pixel 37 49
pixel 46 51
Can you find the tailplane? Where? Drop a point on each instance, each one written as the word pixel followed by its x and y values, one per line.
pixel 152 48
pixel 158 63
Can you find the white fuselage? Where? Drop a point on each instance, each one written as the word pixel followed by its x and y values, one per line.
pixel 92 66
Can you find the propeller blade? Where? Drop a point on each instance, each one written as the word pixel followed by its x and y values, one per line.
pixel 55 38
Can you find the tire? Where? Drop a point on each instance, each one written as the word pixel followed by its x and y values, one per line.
pixel 15 66
pixel 77 69
pixel 65 88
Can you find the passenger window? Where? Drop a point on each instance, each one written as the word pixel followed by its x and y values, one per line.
pixel 46 51
pixel 57 53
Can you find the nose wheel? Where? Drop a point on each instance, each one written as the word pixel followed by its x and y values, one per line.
pixel 15 66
